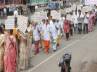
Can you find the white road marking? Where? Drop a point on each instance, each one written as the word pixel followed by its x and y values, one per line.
pixel 74 42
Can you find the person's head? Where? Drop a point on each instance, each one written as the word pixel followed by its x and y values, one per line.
pixel 35 24
pixel 57 21
pixel 93 10
pixel 1 30
pixel 50 17
pixel 86 13
pixel 11 32
pixel 43 20
pixel 3 26
pixel 65 16
pixel 71 13
pixel 79 11
pixel 75 12
pixel 47 21
pixel 90 12
pixel 54 20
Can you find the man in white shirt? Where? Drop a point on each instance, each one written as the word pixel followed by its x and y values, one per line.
pixel 16 13
pixel 36 37
pixel 86 21
pixel 15 16
pixel 61 22
pixel 59 32
pixel 71 24
pixel 75 21
pixel 46 36
pixel 5 11
pixel 80 21
pixel 40 27
pixel 53 32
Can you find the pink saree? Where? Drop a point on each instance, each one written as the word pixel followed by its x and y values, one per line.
pixel 91 23
pixel 10 54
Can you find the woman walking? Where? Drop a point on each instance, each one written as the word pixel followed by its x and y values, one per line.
pixel 90 26
pixel 23 55
pixel 1 48
pixel 10 53
pixel 66 28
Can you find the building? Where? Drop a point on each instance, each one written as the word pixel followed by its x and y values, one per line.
pixel 37 2
pixel 14 2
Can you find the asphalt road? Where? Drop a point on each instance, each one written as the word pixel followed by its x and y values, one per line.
pixel 80 46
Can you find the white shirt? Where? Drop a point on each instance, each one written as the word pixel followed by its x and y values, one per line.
pixel 53 31
pixel 86 21
pixel 75 21
pixel 61 22
pixel 71 18
pixel 15 13
pixel 95 10
pixel 5 11
pixel 36 35
pixel 81 16
pixel 46 32
pixel 40 26
pixel 68 17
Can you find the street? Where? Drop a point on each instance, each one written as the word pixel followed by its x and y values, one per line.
pixel 82 47
pixel 35 34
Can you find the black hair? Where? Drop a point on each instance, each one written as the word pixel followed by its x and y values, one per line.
pixel 11 31
pixel 1 30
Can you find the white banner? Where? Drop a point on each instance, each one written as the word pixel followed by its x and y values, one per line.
pixel 9 22
pixel 38 16
pixel 55 14
pixel 90 2
pixel 22 23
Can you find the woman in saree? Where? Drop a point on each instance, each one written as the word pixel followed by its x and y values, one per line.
pixel 29 41
pixel 10 53
pixel 1 48
pixel 91 23
pixel 23 55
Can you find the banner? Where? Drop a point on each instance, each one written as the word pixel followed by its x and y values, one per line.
pixel 55 14
pixel 90 2
pixel 22 23
pixel 9 22
pixel 38 16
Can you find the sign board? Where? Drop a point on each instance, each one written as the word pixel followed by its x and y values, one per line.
pixel 68 10
pixel 55 14
pixel 73 7
pixel 86 9
pixel 22 23
pixel 90 2
pixel 38 16
pixel 9 22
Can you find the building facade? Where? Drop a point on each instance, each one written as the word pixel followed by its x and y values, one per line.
pixel 37 2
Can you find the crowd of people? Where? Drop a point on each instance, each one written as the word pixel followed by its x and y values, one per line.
pixel 15 45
